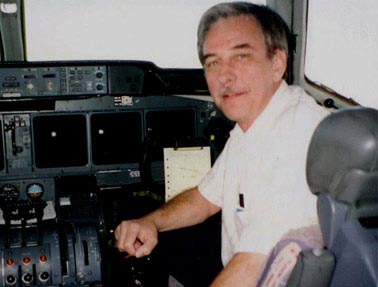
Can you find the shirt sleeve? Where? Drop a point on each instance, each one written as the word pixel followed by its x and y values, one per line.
pixel 262 241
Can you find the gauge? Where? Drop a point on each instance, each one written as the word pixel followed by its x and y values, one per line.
pixel 34 190
pixel 9 192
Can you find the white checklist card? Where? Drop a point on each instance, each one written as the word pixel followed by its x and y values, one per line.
pixel 184 168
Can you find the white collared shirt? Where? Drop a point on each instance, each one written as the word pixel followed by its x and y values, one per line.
pixel 259 179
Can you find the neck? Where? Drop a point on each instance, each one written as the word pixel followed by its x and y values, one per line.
pixel 245 125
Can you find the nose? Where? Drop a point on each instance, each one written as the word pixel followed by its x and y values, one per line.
pixel 226 74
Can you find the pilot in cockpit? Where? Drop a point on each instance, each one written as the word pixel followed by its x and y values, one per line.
pixel 259 179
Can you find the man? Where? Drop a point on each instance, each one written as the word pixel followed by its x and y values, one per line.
pixel 259 179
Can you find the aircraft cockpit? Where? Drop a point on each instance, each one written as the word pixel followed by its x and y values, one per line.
pixel 95 128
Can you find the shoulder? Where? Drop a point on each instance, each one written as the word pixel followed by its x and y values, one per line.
pixel 302 109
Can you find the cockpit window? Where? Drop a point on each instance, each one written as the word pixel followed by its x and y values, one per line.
pixel 342 48
pixel 163 31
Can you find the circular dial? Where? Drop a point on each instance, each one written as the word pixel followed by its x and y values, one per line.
pixel 34 190
pixel 9 192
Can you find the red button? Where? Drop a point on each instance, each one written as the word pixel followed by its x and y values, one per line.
pixel 43 258
pixel 26 260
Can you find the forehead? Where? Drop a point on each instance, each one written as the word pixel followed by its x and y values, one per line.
pixel 233 31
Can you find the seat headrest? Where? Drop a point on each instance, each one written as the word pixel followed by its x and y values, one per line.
pixel 342 158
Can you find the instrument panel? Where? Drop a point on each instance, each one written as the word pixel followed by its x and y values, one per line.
pixel 81 148
pixel 52 81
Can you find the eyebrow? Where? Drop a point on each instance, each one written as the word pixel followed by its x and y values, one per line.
pixel 237 47
pixel 242 46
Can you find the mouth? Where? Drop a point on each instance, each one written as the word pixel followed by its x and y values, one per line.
pixel 231 95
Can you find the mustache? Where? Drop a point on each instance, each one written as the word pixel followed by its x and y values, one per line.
pixel 230 91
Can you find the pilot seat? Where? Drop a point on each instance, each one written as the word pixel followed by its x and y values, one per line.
pixel 342 171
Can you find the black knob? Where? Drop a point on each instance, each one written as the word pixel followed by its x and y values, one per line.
pixel 329 103
pixel 11 279
pixel 44 276
pixel 27 278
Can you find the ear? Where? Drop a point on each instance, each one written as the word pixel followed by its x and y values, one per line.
pixel 279 64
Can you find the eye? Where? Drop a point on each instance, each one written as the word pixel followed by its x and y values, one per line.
pixel 211 63
pixel 242 56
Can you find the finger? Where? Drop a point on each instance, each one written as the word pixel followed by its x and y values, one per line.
pixel 131 238
pixel 125 237
pixel 119 235
pixel 146 248
pixel 137 244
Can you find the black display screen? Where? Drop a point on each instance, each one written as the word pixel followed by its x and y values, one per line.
pixel 60 141
pixel 169 128
pixel 171 123
pixel 116 138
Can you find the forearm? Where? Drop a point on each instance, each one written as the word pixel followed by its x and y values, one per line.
pixel 243 270
pixel 186 209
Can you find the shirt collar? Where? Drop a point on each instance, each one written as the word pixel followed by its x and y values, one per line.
pixel 275 106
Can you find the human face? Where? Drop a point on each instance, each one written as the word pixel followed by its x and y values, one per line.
pixel 240 75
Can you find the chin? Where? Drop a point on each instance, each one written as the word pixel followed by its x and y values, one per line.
pixel 232 116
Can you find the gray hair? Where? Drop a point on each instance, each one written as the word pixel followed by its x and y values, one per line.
pixel 273 28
